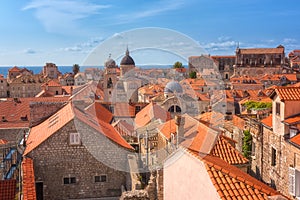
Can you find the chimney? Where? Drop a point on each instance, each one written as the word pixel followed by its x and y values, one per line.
pixel 179 122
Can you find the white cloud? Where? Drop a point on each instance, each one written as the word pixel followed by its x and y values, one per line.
pixel 73 49
pixel 29 51
pixel 62 15
pixel 289 40
pixel 153 10
pixel 217 46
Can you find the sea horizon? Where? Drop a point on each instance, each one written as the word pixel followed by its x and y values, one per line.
pixel 68 69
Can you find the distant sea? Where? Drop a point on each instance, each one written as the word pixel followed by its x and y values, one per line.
pixel 38 69
pixel 66 69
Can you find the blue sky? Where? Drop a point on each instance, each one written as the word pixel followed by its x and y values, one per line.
pixel 34 32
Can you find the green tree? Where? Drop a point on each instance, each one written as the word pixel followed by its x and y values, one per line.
pixel 247 144
pixel 193 75
pixel 178 65
pixel 76 68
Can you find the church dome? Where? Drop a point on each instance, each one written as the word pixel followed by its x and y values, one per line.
pixel 110 63
pixel 127 59
pixel 173 87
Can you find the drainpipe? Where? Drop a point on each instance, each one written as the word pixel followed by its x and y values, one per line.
pixel 262 153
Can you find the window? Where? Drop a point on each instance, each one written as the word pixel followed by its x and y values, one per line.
pixel 74 139
pixel 273 152
pixel 69 180
pixel 277 108
pixel 101 178
pixel 137 109
pixel 294 182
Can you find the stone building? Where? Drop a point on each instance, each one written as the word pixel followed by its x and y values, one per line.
pixel 50 70
pixel 80 79
pixel 75 156
pixel 225 65
pixel 259 61
pixel 3 87
pixel 16 71
pixel 275 153
pixel 26 85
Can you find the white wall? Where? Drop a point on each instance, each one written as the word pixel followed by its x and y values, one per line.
pixel 185 177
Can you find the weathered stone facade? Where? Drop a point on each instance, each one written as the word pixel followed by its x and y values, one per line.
pixel 55 159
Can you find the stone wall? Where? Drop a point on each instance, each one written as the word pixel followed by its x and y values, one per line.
pixel 40 111
pixel 55 159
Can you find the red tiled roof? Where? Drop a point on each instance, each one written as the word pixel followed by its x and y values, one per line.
pixel 292 120
pixel 287 93
pixel 61 118
pixel 8 189
pixel 296 139
pixel 102 127
pixel 238 122
pixel 232 183
pixel 52 83
pixel 213 118
pixel 14 69
pixel 29 192
pixel 123 109
pixel 149 113
pixel 230 56
pixel 204 140
pixel 168 128
pixel 68 89
pixel 96 109
pixel 262 51
pixel 224 150
pixel 13 110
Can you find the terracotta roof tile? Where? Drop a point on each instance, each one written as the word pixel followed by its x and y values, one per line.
pixel 238 122
pixel 123 109
pixel 296 139
pixel 213 118
pixel 262 51
pixel 14 69
pixel 8 189
pixel 29 192
pixel 292 120
pixel 287 93
pixel 102 127
pixel 61 118
pixel 224 150
pixel 267 121
pixel 16 111
pixel 168 128
pixel 149 113
pixel 96 109
pixel 52 83
pixel 233 183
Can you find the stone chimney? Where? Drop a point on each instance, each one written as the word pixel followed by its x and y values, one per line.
pixel 179 121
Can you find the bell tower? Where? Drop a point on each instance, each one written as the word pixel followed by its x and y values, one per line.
pixel 110 78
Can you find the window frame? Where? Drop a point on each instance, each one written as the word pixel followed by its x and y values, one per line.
pixel 74 138
pixel 273 156
pixel 277 108
pixel 69 180
pixel 100 178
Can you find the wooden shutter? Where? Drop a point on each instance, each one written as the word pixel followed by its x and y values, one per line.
pixel 292 185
